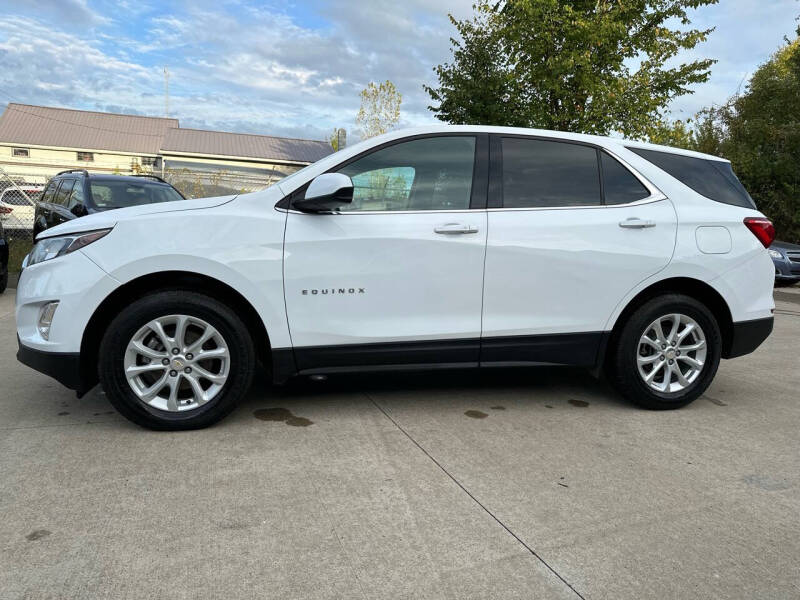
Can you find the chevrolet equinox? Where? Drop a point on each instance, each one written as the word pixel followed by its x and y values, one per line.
pixel 445 246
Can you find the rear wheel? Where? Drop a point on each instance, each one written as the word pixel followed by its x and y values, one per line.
pixel 3 282
pixel 176 360
pixel 667 353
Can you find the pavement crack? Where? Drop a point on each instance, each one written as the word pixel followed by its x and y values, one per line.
pixel 474 499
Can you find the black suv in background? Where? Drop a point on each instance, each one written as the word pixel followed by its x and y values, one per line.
pixel 3 260
pixel 75 193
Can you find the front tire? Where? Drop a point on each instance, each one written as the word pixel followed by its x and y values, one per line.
pixel 667 353
pixel 176 360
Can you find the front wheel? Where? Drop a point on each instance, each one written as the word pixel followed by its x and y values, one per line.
pixel 176 360
pixel 667 353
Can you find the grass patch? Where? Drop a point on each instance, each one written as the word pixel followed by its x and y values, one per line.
pixel 17 250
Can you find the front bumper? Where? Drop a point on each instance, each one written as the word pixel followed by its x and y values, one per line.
pixel 64 367
pixel 786 270
pixel 746 336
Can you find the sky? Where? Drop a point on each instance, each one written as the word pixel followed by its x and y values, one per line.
pixel 291 68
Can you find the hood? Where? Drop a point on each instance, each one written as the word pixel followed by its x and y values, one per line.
pixel 785 246
pixel 109 218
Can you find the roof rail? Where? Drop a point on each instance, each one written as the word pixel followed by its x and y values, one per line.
pixel 84 171
pixel 156 177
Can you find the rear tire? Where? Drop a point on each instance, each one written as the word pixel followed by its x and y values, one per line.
pixel 195 391
pixel 3 282
pixel 666 372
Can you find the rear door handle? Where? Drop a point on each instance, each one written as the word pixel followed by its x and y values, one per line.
pixel 635 223
pixel 455 229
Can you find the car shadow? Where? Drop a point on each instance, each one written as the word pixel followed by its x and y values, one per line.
pixel 575 385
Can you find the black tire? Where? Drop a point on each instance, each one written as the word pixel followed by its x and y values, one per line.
pixel 3 282
pixel 124 326
pixel 623 369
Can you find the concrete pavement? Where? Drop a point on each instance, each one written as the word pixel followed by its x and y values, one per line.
pixel 505 484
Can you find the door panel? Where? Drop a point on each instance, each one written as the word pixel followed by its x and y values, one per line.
pixel 576 231
pixel 394 277
pixel 367 278
pixel 564 271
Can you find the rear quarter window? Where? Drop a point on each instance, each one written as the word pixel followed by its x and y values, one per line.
pixel 713 179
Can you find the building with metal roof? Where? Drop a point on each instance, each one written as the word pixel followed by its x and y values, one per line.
pixel 38 141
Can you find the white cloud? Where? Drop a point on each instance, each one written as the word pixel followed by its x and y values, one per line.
pixel 257 69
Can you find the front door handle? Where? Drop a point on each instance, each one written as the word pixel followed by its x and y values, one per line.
pixel 455 229
pixel 635 223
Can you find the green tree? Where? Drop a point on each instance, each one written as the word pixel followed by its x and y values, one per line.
pixel 380 109
pixel 759 132
pixel 566 64
pixel 677 134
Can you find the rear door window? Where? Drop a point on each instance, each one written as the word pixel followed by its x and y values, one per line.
pixel 620 186
pixel 546 174
pixel 64 192
pixel 713 179
pixel 49 191
pixel 77 196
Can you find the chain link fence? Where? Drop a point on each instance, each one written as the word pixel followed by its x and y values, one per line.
pixel 20 191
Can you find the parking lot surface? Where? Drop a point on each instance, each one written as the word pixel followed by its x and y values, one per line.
pixel 506 484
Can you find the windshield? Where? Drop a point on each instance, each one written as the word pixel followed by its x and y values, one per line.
pixel 108 194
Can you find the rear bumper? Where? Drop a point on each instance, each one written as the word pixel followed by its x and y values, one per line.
pixel 64 367
pixel 746 336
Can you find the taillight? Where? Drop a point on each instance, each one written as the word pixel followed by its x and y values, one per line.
pixel 4 210
pixel 762 228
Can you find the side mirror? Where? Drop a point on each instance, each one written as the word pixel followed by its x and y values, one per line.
pixel 326 192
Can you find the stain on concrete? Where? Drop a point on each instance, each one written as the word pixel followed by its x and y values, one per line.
pixel 767 483
pixel 62 413
pixel 497 407
pixel 715 401
pixel 581 403
pixel 475 414
pixel 547 406
pixel 37 535
pixel 282 415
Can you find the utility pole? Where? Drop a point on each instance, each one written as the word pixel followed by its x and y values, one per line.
pixel 166 92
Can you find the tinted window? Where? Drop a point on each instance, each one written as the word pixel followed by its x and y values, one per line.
pixel 64 191
pixel 426 174
pixel 49 191
pixel 77 196
pixel 541 173
pixel 620 186
pixel 713 179
pixel 110 193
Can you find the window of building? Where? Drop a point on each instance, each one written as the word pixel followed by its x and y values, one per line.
pixel 713 179
pixel 620 186
pixel 543 173
pixel 20 152
pixel 426 174
pixel 86 156
pixel 149 161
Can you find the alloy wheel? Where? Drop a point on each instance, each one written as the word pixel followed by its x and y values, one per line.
pixel 671 353
pixel 177 363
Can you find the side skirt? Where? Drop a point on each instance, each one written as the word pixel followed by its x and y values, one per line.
pixel 573 349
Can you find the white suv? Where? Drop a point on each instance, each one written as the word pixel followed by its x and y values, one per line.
pixel 446 246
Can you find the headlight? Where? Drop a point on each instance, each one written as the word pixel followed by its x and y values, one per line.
pixel 776 254
pixel 54 247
